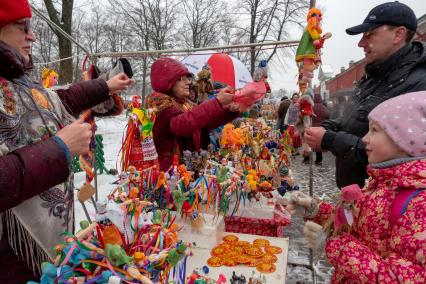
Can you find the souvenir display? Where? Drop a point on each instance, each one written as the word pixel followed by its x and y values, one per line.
pixel 104 250
pixel 135 233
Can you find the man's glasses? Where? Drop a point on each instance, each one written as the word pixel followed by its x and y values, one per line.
pixel 187 78
pixel 23 25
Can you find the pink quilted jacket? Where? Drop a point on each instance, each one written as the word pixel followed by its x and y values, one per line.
pixel 376 252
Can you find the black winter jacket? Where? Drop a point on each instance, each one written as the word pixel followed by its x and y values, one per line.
pixel 403 72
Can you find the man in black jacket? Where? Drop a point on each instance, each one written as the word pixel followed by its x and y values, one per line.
pixel 395 66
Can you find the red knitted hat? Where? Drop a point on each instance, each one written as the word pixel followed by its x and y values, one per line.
pixel 12 10
pixel 165 72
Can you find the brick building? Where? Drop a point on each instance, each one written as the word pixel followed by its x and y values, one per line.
pixel 343 83
pixel 421 28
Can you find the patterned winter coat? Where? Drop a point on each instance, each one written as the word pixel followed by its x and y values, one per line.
pixel 375 251
pixel 36 189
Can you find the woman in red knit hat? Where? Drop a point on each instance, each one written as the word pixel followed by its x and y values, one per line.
pixel 180 124
pixel 38 137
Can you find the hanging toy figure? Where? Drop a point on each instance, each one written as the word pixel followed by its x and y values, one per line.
pixel 49 78
pixel 254 91
pixel 204 83
pixel 138 146
pixel 261 74
pixel 308 54
pixel 304 120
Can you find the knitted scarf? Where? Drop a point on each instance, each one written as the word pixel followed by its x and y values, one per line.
pixel 160 102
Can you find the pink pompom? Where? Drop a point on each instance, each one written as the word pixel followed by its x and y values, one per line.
pixel 351 193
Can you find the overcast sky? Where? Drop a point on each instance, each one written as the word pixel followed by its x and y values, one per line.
pixel 341 48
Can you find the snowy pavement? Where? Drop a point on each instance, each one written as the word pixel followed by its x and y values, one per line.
pixel 323 186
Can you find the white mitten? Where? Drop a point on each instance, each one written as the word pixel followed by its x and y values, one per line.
pixel 302 205
pixel 314 235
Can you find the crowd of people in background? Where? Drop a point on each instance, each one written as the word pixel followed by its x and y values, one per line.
pixel 287 113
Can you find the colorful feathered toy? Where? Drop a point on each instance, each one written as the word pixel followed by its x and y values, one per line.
pixel 49 78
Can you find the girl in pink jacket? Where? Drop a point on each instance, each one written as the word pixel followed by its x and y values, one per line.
pixel 385 242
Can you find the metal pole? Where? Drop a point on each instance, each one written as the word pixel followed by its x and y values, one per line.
pixel 311 190
pixel 189 50
pixel 311 193
pixel 86 212
pixel 94 170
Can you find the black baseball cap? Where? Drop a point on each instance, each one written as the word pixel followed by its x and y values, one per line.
pixel 390 13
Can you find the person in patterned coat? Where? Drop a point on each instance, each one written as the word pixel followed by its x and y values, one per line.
pixel 38 137
pixel 386 242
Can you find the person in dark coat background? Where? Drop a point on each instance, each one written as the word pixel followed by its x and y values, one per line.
pixel 38 138
pixel 282 112
pixel 321 113
pixel 395 65
pixel 180 124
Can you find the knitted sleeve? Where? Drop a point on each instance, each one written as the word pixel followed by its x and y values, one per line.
pixel 186 123
pixel 84 95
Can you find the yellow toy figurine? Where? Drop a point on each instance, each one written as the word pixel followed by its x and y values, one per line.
pixel 49 78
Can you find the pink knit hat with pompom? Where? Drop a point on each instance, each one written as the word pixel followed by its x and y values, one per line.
pixel 403 118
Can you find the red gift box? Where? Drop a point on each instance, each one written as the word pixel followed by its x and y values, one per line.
pixel 271 227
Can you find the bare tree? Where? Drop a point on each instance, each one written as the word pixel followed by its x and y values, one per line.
pixel 78 20
pixel 267 21
pixel 46 48
pixel 93 30
pixel 204 22
pixel 162 19
pixel 152 24
pixel 64 20
pixel 288 13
